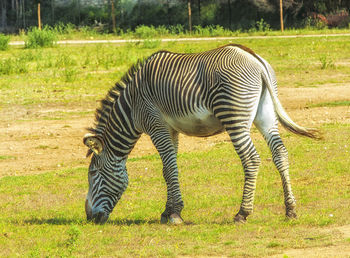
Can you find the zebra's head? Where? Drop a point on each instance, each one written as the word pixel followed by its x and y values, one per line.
pixel 108 179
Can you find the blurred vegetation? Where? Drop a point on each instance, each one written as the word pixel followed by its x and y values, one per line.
pixel 173 15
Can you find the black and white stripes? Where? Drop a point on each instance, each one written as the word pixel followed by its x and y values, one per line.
pixel 201 94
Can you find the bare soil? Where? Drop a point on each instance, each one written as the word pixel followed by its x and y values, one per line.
pixel 339 250
pixel 34 142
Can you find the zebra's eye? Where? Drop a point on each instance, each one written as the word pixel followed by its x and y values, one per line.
pixel 93 171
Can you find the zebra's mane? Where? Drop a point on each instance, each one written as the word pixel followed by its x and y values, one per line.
pixel 103 111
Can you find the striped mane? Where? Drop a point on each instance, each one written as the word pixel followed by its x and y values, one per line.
pixel 103 112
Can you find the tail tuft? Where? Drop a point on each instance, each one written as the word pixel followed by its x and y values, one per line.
pixel 307 132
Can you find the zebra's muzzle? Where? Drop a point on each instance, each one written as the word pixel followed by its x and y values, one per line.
pixel 100 217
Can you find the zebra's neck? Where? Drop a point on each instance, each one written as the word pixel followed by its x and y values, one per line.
pixel 121 134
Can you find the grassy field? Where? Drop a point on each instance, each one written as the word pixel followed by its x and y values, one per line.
pixel 43 214
pixel 82 73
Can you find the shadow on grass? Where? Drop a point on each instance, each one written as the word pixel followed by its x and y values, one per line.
pixel 129 222
pixel 116 222
pixel 52 221
pixel 66 221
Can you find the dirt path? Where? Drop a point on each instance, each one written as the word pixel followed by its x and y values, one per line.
pixel 33 143
pixel 339 250
pixel 122 41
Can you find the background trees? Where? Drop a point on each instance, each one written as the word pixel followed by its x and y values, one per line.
pixel 232 14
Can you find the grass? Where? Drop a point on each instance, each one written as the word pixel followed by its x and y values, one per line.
pixel 330 104
pixel 44 214
pixel 85 73
pixel 260 28
pixel 6 157
pixel 4 42
pixel 40 38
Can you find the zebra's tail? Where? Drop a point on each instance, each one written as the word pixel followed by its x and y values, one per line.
pixel 282 115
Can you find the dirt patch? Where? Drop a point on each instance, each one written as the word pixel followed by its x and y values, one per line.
pixel 339 250
pixel 33 143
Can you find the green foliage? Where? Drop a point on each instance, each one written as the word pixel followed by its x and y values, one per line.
pixel 7 157
pixel 177 29
pixel 151 43
pixel 326 62
pixel 61 28
pixel 41 38
pixel 260 26
pixel 331 104
pixel 70 74
pixel 145 32
pixel 73 238
pixel 12 66
pixel 211 31
pixel 4 42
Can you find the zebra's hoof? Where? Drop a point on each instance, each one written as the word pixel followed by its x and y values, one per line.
pixel 291 214
pixel 164 219
pixel 175 219
pixel 240 219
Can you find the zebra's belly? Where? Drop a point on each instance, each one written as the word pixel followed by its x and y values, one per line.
pixel 201 123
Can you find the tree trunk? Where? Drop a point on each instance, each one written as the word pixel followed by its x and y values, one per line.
pixel 229 13
pixel 281 15
pixel 53 12
pixel 23 14
pixel 189 16
pixel 3 15
pixel 168 11
pixel 113 17
pixel 199 12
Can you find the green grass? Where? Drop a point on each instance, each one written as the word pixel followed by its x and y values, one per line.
pixel 38 38
pixel 260 28
pixel 84 73
pixel 330 104
pixel 7 157
pixel 4 42
pixel 44 214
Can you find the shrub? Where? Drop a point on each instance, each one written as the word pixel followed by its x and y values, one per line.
pixel 178 29
pixel 12 66
pixel 211 31
pixel 263 26
pixel 151 43
pixel 326 62
pixel 41 38
pixel 4 42
pixel 162 30
pixel 145 32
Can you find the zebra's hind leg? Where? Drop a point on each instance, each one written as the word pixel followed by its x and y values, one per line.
pixel 236 115
pixel 280 159
pixel 166 143
pixel 267 124
pixel 250 161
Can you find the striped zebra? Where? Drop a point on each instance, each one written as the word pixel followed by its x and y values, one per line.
pixel 202 94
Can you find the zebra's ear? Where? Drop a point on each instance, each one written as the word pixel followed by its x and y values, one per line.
pixel 95 143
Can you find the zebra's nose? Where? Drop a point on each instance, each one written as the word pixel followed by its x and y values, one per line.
pixel 100 217
pixel 88 210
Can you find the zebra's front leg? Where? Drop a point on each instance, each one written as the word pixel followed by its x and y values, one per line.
pixel 164 142
pixel 174 204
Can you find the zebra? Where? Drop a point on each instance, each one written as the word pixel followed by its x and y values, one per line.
pixel 201 94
